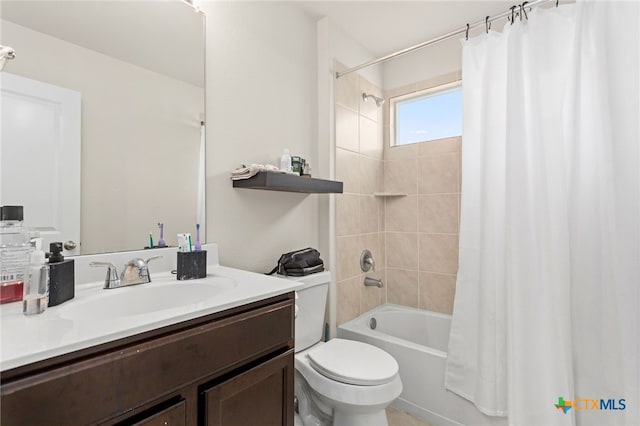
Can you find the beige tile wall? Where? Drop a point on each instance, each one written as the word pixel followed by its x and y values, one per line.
pixel 413 238
pixel 421 228
pixel 359 215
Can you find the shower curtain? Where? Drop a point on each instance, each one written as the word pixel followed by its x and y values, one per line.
pixel 545 316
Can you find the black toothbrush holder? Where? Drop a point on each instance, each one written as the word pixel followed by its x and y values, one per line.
pixel 192 265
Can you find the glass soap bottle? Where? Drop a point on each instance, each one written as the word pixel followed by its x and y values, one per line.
pixel 36 285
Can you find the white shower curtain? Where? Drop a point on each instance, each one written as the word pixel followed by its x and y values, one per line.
pixel 547 291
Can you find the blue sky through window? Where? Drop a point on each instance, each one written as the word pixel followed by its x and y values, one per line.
pixel 433 117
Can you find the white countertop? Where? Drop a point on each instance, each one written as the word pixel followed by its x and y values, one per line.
pixel 27 339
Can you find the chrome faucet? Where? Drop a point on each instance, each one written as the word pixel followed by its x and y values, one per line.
pixel 372 282
pixel 136 271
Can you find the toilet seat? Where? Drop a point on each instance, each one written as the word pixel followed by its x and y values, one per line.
pixel 353 363
pixel 342 393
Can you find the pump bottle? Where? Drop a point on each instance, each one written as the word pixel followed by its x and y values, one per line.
pixel 61 276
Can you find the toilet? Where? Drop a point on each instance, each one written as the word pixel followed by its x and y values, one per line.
pixel 339 382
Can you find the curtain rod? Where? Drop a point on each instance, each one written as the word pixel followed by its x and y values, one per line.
pixel 513 11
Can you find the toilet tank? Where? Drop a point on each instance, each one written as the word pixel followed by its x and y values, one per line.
pixel 311 302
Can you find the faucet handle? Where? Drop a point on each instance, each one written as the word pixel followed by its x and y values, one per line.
pixel 151 258
pixel 146 262
pixel 112 279
pixel 366 261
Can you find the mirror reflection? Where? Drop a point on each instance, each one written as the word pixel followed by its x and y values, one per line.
pixel 102 112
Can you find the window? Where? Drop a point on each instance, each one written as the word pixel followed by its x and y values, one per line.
pixel 426 115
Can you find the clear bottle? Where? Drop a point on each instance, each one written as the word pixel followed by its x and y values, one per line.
pixel 14 253
pixel 36 285
pixel 285 161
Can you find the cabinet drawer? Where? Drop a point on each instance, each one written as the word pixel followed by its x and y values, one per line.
pixel 176 415
pixel 112 384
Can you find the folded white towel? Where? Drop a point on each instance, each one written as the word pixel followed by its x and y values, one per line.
pixel 247 172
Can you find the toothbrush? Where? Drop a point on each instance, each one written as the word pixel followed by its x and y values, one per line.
pixel 190 245
pixel 161 242
pixel 150 240
pixel 198 245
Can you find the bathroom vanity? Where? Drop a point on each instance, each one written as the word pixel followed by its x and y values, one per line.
pixel 226 359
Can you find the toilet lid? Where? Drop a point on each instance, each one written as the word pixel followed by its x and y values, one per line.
pixel 354 363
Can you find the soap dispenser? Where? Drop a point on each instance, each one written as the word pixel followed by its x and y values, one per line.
pixel 61 276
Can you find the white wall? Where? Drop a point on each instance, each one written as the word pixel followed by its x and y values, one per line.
pixel 138 126
pixel 350 53
pixel 425 64
pixel 261 98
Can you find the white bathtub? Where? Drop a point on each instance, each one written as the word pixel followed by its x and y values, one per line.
pixel 418 340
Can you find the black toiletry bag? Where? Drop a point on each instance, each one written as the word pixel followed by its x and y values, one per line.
pixel 299 263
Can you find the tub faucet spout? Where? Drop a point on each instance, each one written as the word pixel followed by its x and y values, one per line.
pixel 372 282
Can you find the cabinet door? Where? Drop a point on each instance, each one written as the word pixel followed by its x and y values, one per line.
pixel 262 396
pixel 172 416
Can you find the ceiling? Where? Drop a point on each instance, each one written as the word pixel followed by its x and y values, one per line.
pixel 163 36
pixel 117 27
pixel 384 27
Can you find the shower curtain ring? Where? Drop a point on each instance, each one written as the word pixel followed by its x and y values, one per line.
pixel 467 33
pixel 557 1
pixel 487 24
pixel 513 11
pixel 523 10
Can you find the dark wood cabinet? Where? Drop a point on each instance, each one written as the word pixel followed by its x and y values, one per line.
pixel 220 369
pixel 175 415
pixel 259 396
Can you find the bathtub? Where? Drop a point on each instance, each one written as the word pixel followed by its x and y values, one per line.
pixel 418 340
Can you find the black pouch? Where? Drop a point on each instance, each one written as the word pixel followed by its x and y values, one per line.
pixel 299 263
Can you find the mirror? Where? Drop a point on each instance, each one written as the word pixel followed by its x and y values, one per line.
pixel 124 78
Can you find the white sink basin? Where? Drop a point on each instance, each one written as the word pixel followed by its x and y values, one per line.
pixel 145 298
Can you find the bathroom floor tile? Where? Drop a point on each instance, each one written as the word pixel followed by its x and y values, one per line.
pixel 396 417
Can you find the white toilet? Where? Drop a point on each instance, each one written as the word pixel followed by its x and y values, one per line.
pixel 340 382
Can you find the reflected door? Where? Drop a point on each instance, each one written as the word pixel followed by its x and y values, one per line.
pixel 40 157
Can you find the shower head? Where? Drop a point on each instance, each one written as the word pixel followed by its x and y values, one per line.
pixel 6 52
pixel 379 101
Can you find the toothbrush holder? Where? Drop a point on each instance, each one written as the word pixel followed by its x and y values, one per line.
pixel 192 265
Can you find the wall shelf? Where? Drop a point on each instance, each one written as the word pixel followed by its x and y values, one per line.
pixel 272 181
